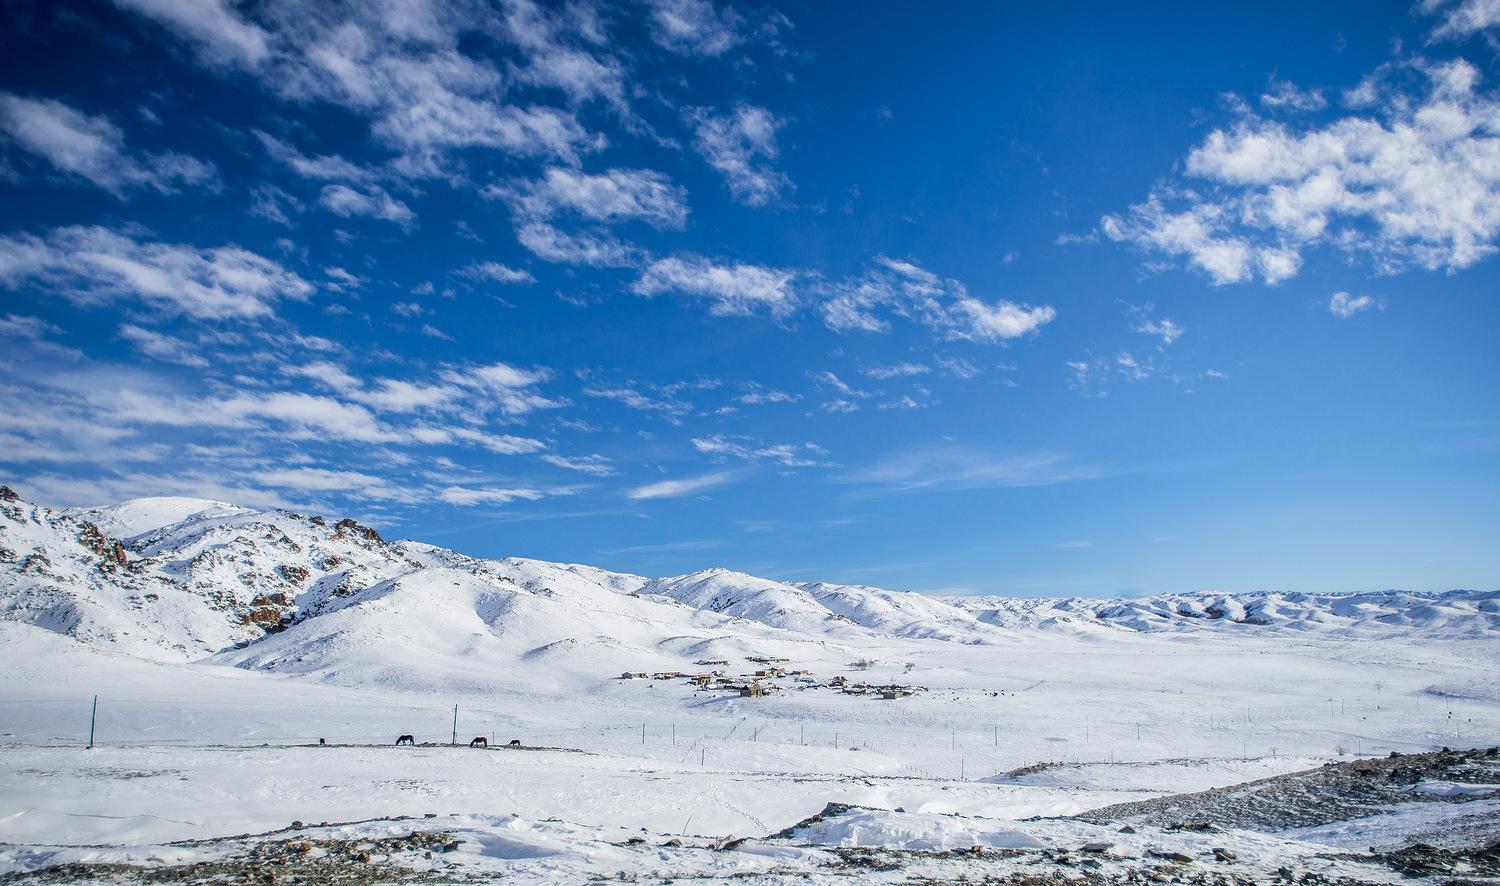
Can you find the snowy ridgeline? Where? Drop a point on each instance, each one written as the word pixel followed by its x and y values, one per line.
pixel 190 578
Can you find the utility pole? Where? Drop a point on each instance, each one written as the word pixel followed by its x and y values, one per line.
pixel 455 725
pixel 93 713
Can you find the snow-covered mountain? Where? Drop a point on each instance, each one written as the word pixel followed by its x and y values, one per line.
pixel 179 579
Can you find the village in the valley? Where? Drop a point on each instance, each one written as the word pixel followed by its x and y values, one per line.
pixel 773 676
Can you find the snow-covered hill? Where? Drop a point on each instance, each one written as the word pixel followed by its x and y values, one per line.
pixel 180 579
pixel 1472 614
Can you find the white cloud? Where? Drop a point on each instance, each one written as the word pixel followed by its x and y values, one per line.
pixel 551 244
pixel 22 326
pixel 905 289
pixel 496 272
pixel 309 479
pixel 741 145
pixel 161 346
pixel 325 167
pixel 612 196
pixel 212 25
pixel 1416 182
pixel 980 321
pixel 731 289
pixel 468 497
pixel 406 68
pixel 788 454
pixel 1147 324
pixel 897 370
pixel 597 465
pixel 682 486
pixel 508 387
pixel 634 399
pixel 950 467
pixel 1461 18
pixel 1286 95
pixel 757 396
pixel 695 27
pixel 93 148
pixel 373 202
pixel 92 264
pixel 1343 305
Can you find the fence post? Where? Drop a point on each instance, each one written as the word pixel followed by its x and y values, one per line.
pixel 455 726
pixel 93 713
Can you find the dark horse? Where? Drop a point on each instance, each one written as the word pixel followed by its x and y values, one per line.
pixel 405 739
pixel 479 742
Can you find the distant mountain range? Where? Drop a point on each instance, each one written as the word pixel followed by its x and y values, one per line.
pixel 183 579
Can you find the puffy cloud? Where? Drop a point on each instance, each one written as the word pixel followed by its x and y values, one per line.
pixel 93 264
pixel 980 321
pixel 93 148
pixel 1343 305
pixel 741 145
pixel 1416 182
pixel 731 289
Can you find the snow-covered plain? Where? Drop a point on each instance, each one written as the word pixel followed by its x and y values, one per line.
pixel 224 643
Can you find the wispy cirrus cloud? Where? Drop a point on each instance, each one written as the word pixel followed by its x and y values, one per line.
pixel 953 467
pixel 683 486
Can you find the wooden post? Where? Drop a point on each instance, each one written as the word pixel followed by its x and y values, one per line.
pixel 93 714
pixel 455 725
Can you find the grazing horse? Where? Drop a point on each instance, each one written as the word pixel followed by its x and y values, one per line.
pixel 515 742
pixel 479 742
pixel 405 739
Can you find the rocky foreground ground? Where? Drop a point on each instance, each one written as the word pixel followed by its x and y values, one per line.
pixel 1441 807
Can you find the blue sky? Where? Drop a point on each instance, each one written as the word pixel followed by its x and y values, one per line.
pixel 1077 300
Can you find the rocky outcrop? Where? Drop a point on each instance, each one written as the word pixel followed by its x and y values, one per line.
pixel 111 553
pixel 354 528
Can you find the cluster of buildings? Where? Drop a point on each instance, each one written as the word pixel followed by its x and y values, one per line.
pixel 763 681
